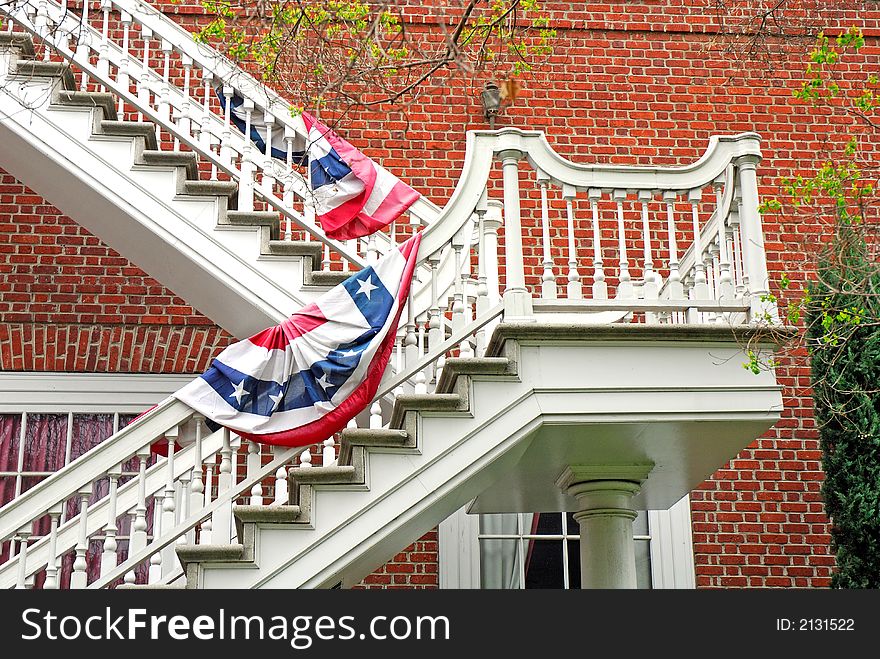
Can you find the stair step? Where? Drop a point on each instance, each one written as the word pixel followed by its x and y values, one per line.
pixel 210 188
pixel 247 514
pixel 131 129
pixel 297 248
pixel 268 219
pixel 209 553
pixel 335 475
pixel 90 100
pixel 23 42
pixel 372 437
pixel 424 403
pixel 455 366
pixel 325 278
pixel 186 159
pixel 47 70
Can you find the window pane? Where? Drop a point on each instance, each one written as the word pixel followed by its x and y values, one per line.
pixel 499 564
pixel 45 442
pixel 574 562
pixel 89 430
pixel 27 482
pixel 10 432
pixel 7 489
pixel 544 563
pixel 545 524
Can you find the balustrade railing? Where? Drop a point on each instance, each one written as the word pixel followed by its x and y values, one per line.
pixel 542 239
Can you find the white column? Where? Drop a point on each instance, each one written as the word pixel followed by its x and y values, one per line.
pixel 605 514
pixel 517 301
pixel 754 256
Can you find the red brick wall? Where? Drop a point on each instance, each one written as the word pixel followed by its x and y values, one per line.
pixel 635 82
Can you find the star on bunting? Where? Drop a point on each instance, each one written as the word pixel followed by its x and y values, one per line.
pixel 366 286
pixel 239 392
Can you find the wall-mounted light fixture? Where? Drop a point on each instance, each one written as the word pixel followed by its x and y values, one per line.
pixel 490 97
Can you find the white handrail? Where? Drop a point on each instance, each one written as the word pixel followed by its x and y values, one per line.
pixel 90 466
pixel 68 533
pixel 183 527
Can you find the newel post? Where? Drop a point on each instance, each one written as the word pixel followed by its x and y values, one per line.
pixel 754 256
pixel 517 301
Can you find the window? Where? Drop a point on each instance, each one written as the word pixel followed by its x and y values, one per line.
pixel 542 550
pixel 48 420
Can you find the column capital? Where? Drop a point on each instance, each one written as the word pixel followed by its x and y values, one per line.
pixel 747 161
pixel 577 474
pixel 510 155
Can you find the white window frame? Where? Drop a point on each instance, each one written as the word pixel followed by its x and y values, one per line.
pixel 671 548
pixel 28 393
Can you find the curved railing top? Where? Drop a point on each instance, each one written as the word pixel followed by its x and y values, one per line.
pixel 483 145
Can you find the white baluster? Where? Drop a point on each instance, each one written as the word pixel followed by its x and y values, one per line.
pixel 122 75
pixel 282 493
pixel 399 364
pixel 548 278
pixel 624 287
pixel 169 503
pixel 108 557
pixel 517 300
pixel 246 182
pixel 674 288
pixel 268 179
pixel 52 581
pixel 206 530
pixel 375 415
pixel 325 262
pixel 42 26
pixel 305 460
pixel 254 462
pixel 482 303
pixel 79 577
pixel 574 290
pixel 649 287
pixel 701 288
pixel 328 455
pixel 410 347
pixel 421 378
pixel 154 571
pixel 600 287
pixel 144 80
pixel 204 110
pixel 226 152
pixel 22 536
pixel 185 122
pixel 435 334
pixel 725 280
pixel 104 46
pixel 221 527
pixel 82 42
pixel 197 485
pixel 458 310
pixel 650 283
pixel 139 524
pixel 184 496
pixel 289 138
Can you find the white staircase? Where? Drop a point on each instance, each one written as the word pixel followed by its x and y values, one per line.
pixel 490 394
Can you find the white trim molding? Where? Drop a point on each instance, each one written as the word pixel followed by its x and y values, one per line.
pixel 84 392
